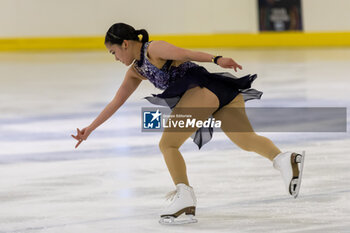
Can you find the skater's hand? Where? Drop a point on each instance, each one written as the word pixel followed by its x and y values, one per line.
pixel 82 135
pixel 226 62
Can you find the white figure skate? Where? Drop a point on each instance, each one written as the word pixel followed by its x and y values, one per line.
pixel 291 167
pixel 183 201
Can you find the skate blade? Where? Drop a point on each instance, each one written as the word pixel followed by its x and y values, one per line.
pixel 297 182
pixel 173 221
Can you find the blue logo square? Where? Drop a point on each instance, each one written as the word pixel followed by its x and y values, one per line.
pixel 152 119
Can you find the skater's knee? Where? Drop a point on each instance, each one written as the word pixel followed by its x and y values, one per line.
pixel 166 145
pixel 162 145
pixel 247 141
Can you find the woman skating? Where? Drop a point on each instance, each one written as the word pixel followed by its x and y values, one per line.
pixel 189 86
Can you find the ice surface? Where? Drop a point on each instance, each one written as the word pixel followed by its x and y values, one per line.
pixel 117 179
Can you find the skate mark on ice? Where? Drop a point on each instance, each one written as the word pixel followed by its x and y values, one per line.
pixel 275 200
pixel 77 223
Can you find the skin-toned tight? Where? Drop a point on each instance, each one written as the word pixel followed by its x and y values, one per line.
pixel 234 123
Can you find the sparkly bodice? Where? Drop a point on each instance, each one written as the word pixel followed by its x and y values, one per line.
pixel 161 78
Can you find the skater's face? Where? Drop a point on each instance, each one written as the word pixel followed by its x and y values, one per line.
pixel 121 53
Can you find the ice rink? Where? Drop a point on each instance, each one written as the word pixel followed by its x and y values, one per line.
pixel 116 180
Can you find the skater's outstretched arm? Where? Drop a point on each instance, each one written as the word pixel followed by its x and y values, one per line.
pixel 164 50
pixel 131 81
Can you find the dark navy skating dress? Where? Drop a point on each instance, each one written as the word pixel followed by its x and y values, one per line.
pixel 175 81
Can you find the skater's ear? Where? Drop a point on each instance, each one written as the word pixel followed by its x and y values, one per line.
pixel 125 44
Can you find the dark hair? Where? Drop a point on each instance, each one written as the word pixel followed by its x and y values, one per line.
pixel 119 32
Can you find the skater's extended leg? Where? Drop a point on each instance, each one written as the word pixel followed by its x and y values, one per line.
pixel 236 125
pixel 198 102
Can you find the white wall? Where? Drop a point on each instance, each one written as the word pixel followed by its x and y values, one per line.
pixel 39 18
pixel 20 18
pixel 326 15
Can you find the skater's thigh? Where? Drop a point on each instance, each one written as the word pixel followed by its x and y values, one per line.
pixel 234 120
pixel 198 97
pixel 197 103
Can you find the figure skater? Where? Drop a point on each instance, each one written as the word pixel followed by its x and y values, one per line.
pixel 190 86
